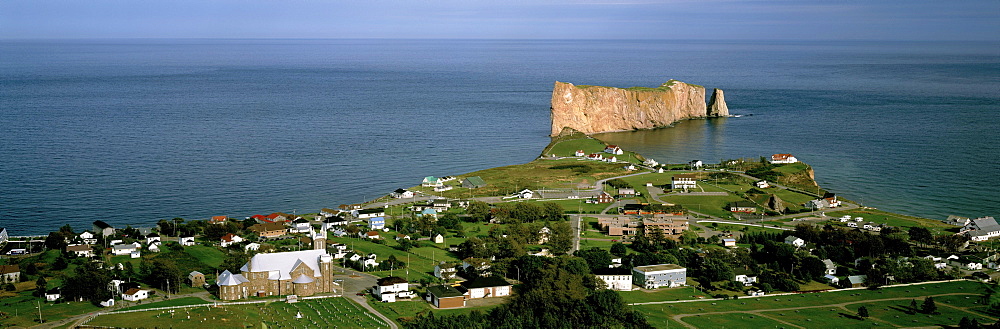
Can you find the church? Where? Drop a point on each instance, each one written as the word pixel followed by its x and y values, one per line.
pixel 302 273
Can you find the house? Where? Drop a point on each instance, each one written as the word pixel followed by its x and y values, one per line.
pixel 154 247
pixel 525 194
pixel 186 241
pixel 218 219
pixel 605 197
pixel 368 213
pixel 833 280
pixel 487 286
pixel 252 246
pixel 123 249
pixel 669 225
pixel 402 194
pixel 473 182
pixel 135 254
pixel 957 220
pixel 331 223
pixel 339 233
pixel 135 294
pixel 650 163
pixel 831 202
pixel 852 224
pixel 579 153
pixel 268 230
pixel 87 237
pixel 230 239
pixel 197 279
pixel 543 235
pixel 152 237
pixel 629 167
pixel 402 237
pixel 80 250
pixel 301 273
pixel 52 295
pixel 783 158
pixel 300 225
pixel 376 223
pixel 10 273
pixel 746 279
pixel 795 241
pixel 441 205
pixel 684 181
pixel 696 164
pixel 831 268
pixel 595 156
pixel 446 270
pixel 626 191
pixel 974 266
pixel 982 229
pixel 371 235
pixel 728 242
pixel 742 206
pixel 856 281
pixel 429 212
pixel 438 238
pixel 660 275
pixel 445 296
pixel 103 228
pixel 443 188
pixel 762 184
pixel 260 218
pixel 612 159
pixel 619 279
pixel 278 217
pixel 388 288
pixel 940 266
pixel 327 212
pixel 614 149
pixel 755 293
pixel 430 181
pixel 447 178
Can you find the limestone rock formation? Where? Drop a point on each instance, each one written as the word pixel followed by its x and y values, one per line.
pixel 595 109
pixel 717 105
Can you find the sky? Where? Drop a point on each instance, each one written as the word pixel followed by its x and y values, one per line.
pixel 972 20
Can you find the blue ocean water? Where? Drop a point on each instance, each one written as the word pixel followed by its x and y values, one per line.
pixel 132 131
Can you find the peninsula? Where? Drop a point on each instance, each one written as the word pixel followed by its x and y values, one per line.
pixel 596 109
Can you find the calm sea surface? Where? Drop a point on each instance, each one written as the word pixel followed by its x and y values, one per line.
pixel 133 131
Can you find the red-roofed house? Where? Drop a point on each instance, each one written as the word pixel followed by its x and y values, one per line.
pixel 614 149
pixel 230 239
pixel 278 217
pixel 595 156
pixel 783 158
pixel 135 294
pixel 579 153
pixel 218 219
pixel 260 218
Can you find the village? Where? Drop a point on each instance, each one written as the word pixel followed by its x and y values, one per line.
pixel 743 228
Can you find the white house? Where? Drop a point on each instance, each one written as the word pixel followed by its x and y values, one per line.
pixel 614 149
pixel 402 194
pixel 755 293
pixel 80 250
pixel 135 294
pixel 87 237
pixel 982 229
pixel 852 224
pixel 389 288
pixel 487 286
pixel 154 247
pixel 579 153
pixel 186 241
pixel 747 280
pixel 661 275
pixel 762 184
pixel 831 268
pixel 438 239
pixel 543 235
pixel 617 281
pixel 152 237
pixel 683 181
pixel 595 156
pixel 253 246
pixel 300 225
pixel 696 164
pixel 135 254
pixel 52 296
pixel 940 266
pixel 783 158
pixel 525 194
pixel 430 181
pixel 833 279
pixel 123 249
pixel 974 266
pixel 446 271
pixel 230 239
pixel 650 163
pixel 794 241
pixel 612 159
pixel 376 223
pixel 728 242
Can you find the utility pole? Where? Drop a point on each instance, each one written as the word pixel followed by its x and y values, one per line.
pixel 39 311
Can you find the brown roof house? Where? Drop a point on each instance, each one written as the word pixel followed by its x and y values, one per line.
pixel 268 230
pixel 445 297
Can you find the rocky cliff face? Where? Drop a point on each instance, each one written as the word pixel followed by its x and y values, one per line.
pixel 594 109
pixel 717 105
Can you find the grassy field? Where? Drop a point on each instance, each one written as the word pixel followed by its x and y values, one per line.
pixel 896 220
pixel 732 320
pixel 577 205
pixel 644 296
pixel 210 256
pixel 316 313
pixel 421 260
pixel 564 174
pixel 816 307
pixel 170 302
pixel 22 310
pixel 401 311
pixel 567 148
pixel 710 205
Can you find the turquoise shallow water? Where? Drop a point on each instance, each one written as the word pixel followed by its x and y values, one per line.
pixel 132 131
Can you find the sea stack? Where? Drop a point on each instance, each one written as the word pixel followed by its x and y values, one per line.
pixel 717 105
pixel 596 109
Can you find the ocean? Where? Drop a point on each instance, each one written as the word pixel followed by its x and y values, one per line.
pixel 133 131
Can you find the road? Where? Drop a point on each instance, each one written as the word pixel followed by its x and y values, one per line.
pixel 355 282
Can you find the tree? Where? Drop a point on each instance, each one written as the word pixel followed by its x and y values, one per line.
pixel 618 249
pixel 164 274
pixel 552 211
pixel 928 307
pixel 715 269
pixel 478 211
pixel 862 312
pixel 405 244
pixel 813 268
pixel 596 258
pixel 913 305
pixel 55 241
pixel 41 286
pixel 921 235
pixel 561 239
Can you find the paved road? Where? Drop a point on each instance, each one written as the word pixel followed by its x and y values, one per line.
pixel 357 282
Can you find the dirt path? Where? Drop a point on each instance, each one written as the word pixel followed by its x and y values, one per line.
pixel 679 317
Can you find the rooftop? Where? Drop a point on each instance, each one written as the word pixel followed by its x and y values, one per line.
pixel 485 281
pixel 444 291
pixel 660 267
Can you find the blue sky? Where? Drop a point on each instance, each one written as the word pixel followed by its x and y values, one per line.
pixel 511 19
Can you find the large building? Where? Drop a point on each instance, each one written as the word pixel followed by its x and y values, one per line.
pixel 671 226
pixel 662 275
pixel 445 296
pixel 982 229
pixel 302 273
pixel 681 181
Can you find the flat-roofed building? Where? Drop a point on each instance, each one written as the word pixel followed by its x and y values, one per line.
pixel 660 275
pixel 680 181
pixel 670 225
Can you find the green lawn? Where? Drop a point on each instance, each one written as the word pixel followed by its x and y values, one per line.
pixel 895 220
pixel 557 174
pixel 710 205
pixel 575 206
pixel 791 168
pixel 210 256
pixel 404 310
pixel 22 310
pixel 421 260
pixel 659 295
pixel 568 147
pixel 828 317
pixel 170 302
pixel 323 313
pixel 732 320
pixel 898 313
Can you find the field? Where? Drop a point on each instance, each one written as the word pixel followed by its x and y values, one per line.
pixel 22 310
pixel 895 220
pixel 888 307
pixel 421 260
pixel 315 313
pixel 167 303
pixel 709 205
pixel 502 181
pixel 410 309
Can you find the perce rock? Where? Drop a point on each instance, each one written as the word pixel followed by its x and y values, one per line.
pixel 594 109
pixel 717 105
